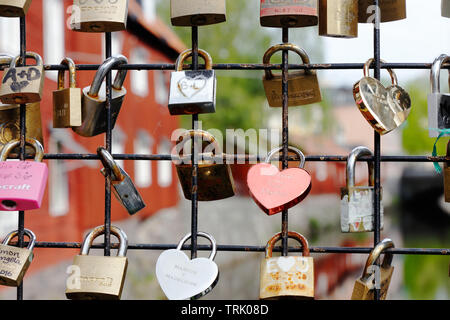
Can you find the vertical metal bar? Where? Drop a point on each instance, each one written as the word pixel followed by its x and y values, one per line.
pixel 377 139
pixel 285 134
pixel 23 129
pixel 194 200
pixel 108 142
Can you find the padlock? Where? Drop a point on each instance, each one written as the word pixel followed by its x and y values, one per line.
pixel 98 277
pixel 215 180
pixel 384 108
pixel 192 92
pixel 22 183
pixel 438 103
pixel 93 102
pixel 447 176
pixel 99 15
pixel 124 188
pixel 197 12
pixel 288 13
pixel 303 85
pixel 390 10
pixel 338 18
pixel 375 277
pixel 289 277
pixel 67 101
pixel 22 85
pixel 14 8
pixel 357 211
pixel 181 278
pixel 14 261
pixel 274 191
pixel 445 8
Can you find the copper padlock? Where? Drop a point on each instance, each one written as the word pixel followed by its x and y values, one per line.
pixel 67 101
pixel 24 84
pixel 289 277
pixel 288 13
pixel 390 10
pixel 197 12
pixel 303 85
pixel 338 18
pixel 215 181
pixel 375 277
pixel 14 8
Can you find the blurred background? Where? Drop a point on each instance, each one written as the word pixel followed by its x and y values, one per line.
pixel 415 213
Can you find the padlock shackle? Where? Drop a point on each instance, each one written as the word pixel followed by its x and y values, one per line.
pixel 391 72
pixel 72 74
pixel 354 155
pixel 284 46
pixel 189 134
pixel 98 231
pixel 29 54
pixel 103 70
pixel 376 253
pixel 278 150
pixel 436 73
pixel 26 232
pixel 108 162
pixel 16 142
pixel 203 235
pixel 5 59
pixel 187 53
pixel 291 234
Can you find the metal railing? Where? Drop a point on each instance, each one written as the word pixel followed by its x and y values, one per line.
pixel 194 246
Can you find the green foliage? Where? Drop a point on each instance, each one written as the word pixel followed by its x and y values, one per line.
pixel 415 137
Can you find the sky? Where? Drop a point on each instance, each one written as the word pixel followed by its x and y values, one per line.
pixel 419 38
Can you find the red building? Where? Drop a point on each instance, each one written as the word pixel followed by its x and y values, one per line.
pixel 74 199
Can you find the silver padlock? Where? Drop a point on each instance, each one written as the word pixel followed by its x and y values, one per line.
pixel 445 6
pixel 124 188
pixel 357 210
pixel 192 92
pixel 438 103
pixel 93 108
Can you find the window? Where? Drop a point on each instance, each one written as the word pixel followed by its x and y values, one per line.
pixel 143 144
pixel 53 29
pixel 58 184
pixel 161 87
pixel 139 79
pixel 9 41
pixel 118 143
pixel 164 167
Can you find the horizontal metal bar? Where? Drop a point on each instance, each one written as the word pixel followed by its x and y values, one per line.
pixel 244 248
pixel 239 157
pixel 249 66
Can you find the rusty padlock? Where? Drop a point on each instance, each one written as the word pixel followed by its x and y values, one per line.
pixel 390 10
pixel 288 13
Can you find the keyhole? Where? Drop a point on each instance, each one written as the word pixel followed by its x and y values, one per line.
pixel 9 204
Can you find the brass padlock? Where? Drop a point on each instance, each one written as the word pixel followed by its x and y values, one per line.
pixel 98 277
pixel 22 85
pixel 215 181
pixel 303 85
pixel 287 277
pixel 192 92
pixel 288 13
pixel 14 261
pixel 445 8
pixel 123 186
pixel 447 176
pixel 14 8
pixel 338 18
pixel 67 101
pixel 93 103
pixel 99 15
pixel 197 12
pixel 390 10
pixel 375 277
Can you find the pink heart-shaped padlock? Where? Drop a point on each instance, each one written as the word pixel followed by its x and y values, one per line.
pixel 274 190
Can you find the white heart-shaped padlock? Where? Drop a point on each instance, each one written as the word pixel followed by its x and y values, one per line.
pixel 181 278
